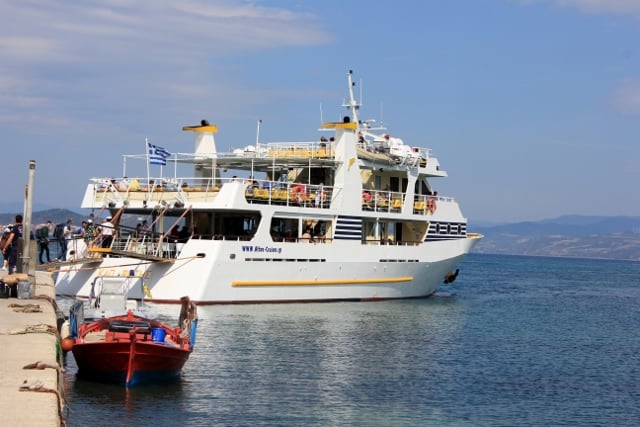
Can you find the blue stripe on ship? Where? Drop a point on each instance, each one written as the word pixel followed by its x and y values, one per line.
pixel 446 231
pixel 348 228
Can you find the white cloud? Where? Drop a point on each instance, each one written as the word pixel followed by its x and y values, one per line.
pixel 139 28
pixel 25 47
pixel 101 52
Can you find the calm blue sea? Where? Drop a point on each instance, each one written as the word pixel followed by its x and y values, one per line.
pixel 515 341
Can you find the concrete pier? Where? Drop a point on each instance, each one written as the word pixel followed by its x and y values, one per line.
pixel 31 381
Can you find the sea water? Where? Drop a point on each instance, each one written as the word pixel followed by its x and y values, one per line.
pixel 515 341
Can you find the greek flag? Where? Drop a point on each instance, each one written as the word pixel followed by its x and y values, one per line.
pixel 157 155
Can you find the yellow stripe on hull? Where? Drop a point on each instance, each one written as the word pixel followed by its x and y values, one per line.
pixel 321 282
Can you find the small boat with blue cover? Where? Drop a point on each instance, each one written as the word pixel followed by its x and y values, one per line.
pixel 131 349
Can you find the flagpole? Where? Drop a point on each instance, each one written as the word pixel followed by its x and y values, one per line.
pixel 146 142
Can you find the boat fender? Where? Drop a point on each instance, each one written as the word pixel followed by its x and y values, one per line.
pixel 67 344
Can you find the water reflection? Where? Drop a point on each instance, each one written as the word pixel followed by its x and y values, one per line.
pixel 310 363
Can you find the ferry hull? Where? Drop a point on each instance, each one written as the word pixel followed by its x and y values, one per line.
pixel 231 272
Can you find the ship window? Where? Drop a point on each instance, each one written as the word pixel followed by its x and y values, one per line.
pixel 284 229
pixel 240 226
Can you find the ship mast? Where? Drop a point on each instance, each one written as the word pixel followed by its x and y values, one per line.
pixel 353 105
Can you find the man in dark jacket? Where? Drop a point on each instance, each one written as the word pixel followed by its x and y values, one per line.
pixel 42 236
pixel 11 246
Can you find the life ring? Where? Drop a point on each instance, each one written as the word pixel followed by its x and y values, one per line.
pixel 431 205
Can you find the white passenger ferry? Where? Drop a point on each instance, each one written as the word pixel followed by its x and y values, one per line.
pixel 353 215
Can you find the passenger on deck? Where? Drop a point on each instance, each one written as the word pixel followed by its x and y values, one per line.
pixel 68 229
pixel 276 236
pixel 380 198
pixel 320 196
pixel 174 235
pixel 184 234
pixel 306 236
pixel 91 234
pixel 107 231
pixel 124 184
pixel 135 184
pixel 144 228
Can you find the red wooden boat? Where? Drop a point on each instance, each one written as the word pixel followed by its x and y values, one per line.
pixel 132 349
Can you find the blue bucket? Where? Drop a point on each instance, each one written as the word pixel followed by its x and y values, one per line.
pixel 158 334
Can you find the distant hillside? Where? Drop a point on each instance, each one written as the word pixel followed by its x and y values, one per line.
pixel 38 217
pixel 567 236
pixel 58 216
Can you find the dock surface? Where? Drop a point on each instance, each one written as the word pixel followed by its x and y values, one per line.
pixel 31 382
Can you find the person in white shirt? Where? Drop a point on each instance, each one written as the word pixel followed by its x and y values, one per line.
pixel 67 236
pixel 107 232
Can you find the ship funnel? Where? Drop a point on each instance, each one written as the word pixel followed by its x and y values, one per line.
pixel 205 143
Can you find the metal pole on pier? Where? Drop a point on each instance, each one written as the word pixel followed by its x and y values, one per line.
pixel 26 228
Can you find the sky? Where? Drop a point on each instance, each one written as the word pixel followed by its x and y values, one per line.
pixel 531 106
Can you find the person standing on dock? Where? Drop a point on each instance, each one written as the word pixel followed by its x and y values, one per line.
pixel 42 237
pixel 11 245
pixel 5 252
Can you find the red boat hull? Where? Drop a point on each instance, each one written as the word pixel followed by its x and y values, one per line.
pixel 132 349
pixel 129 363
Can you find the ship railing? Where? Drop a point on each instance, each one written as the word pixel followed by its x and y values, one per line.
pixel 152 244
pixel 423 155
pixel 425 204
pixel 123 186
pixel 175 191
pixel 288 193
pixel 382 201
pixel 313 150
pixel 180 192
pixel 283 150
pixel 389 201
